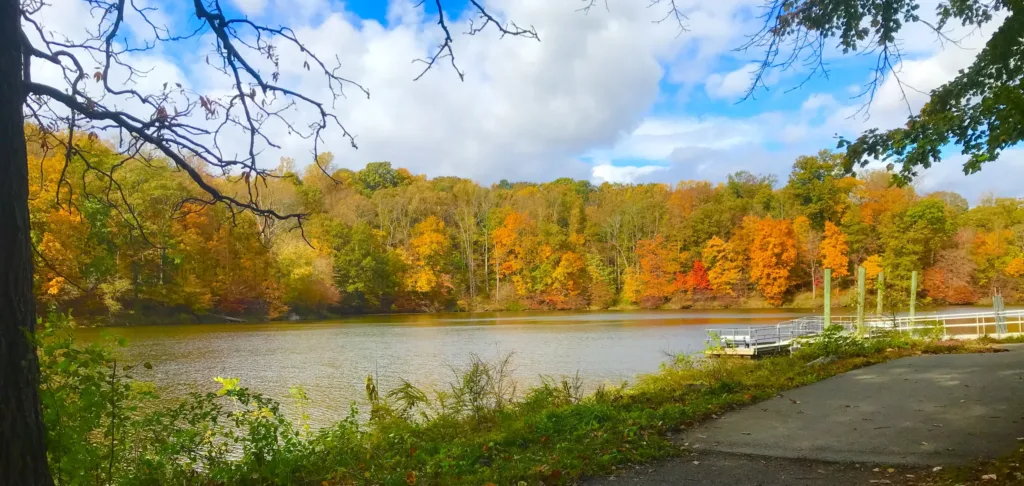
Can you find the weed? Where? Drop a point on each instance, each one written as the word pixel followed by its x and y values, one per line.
pixel 104 427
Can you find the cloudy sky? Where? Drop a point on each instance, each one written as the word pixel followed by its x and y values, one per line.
pixel 607 95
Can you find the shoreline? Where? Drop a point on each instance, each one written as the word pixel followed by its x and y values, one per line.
pixel 219 319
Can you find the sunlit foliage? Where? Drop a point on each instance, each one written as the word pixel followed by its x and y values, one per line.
pixel 381 239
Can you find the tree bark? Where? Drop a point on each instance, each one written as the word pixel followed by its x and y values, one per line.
pixel 22 437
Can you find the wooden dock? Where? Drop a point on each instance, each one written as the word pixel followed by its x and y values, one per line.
pixel 753 341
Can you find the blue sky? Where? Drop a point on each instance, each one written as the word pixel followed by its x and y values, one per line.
pixel 606 96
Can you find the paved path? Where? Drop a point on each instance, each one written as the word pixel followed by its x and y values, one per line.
pixel 910 413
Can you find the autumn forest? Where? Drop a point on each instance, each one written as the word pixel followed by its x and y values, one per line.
pixel 145 244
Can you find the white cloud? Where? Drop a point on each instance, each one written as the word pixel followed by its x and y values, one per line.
pixel 526 109
pixel 725 145
pixel 657 138
pixel 630 173
pixel 731 85
pixel 1001 177
pixel 250 7
pixel 529 110
pixel 817 101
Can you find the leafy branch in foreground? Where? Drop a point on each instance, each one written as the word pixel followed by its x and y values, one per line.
pixel 981 109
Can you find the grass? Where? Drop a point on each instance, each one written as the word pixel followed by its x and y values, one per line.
pixel 476 431
pixel 1006 470
pixel 552 436
pixel 1003 340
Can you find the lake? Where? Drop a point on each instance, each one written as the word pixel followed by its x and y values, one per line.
pixel 331 359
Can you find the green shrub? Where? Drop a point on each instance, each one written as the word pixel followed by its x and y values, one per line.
pixel 931 331
pixel 834 342
pixel 106 428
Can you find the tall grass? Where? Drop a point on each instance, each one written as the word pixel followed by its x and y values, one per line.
pixel 104 427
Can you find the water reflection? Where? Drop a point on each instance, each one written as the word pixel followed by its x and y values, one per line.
pixel 331 359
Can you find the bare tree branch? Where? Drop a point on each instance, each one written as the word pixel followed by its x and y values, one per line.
pixel 444 50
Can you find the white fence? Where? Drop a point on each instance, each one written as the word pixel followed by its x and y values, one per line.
pixel 958 325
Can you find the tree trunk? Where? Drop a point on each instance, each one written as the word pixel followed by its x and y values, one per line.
pixel 22 437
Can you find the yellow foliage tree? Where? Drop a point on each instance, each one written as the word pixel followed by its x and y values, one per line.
pixel 991 252
pixel 428 252
pixel 1015 268
pixel 568 283
pixel 725 265
pixel 631 286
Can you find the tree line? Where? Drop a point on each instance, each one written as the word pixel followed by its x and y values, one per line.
pixel 381 239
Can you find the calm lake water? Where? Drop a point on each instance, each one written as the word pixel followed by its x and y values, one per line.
pixel 332 359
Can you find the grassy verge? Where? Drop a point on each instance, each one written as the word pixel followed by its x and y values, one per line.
pixel 1003 340
pixel 476 431
pixel 1005 470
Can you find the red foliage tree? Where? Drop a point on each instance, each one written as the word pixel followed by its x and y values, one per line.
pixel 696 279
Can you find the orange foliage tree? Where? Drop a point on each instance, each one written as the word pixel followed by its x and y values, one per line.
pixel 950 279
pixel 834 251
pixel 1015 268
pixel 659 274
pixel 992 254
pixel 872 267
pixel 514 248
pixel 772 256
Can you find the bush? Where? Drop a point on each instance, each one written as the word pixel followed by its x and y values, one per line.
pixel 834 342
pixel 105 428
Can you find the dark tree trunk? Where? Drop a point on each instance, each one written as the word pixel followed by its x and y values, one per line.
pixel 22 437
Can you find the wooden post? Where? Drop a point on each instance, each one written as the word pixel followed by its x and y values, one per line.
pixel 913 296
pixel 881 292
pixel 828 297
pixel 860 299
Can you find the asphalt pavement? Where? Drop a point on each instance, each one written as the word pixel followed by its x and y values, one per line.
pixel 908 415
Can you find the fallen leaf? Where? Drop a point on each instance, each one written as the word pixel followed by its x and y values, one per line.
pixel 936 468
pixel 989 477
pixel 695 463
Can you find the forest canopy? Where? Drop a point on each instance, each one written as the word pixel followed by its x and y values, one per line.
pixel 382 239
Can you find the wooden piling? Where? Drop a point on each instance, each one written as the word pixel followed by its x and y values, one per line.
pixel 828 297
pixel 881 292
pixel 860 299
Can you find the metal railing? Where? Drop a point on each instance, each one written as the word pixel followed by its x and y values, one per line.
pixel 970 324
